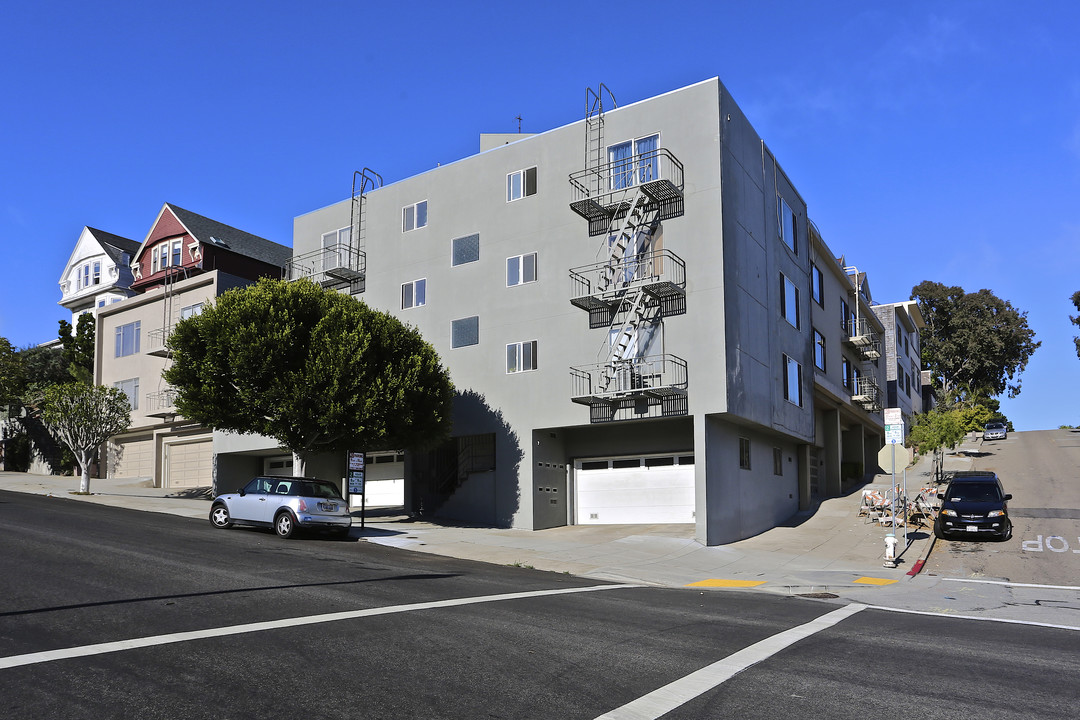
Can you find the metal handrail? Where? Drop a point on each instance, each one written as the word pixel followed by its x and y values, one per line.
pixel 315 264
pixel 655 266
pixel 161 400
pixel 621 175
pixel 632 375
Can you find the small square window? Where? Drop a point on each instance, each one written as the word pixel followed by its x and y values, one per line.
pixel 520 184
pixel 131 389
pixel 414 216
pixel 127 339
pixel 744 453
pixel 520 269
pixel 521 357
pixel 465 250
pixel 414 294
pixel 465 331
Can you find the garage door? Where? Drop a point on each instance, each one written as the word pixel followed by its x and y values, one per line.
pixel 133 458
pixel 641 490
pixel 384 479
pixel 189 464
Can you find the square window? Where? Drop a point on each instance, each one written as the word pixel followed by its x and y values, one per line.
pixel 792 381
pixel 414 216
pixel 521 357
pixel 190 311
pixel 520 184
pixel 520 269
pixel 127 339
pixel 777 461
pixel 414 294
pixel 465 250
pixel 131 389
pixel 465 331
pixel 744 453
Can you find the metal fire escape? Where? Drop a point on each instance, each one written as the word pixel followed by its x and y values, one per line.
pixel 859 333
pixel 342 263
pixel 634 284
pixel 161 403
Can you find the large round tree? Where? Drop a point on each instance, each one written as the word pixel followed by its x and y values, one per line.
pixel 314 369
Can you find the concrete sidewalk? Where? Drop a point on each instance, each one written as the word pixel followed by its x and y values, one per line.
pixel 830 550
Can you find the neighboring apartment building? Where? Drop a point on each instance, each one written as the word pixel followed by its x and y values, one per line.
pixel 613 300
pixel 904 323
pixel 185 261
pixel 848 372
pixel 98 273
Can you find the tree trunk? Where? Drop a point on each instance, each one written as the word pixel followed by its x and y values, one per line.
pixel 84 465
pixel 299 464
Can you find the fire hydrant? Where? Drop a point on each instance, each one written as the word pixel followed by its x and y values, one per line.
pixel 890 551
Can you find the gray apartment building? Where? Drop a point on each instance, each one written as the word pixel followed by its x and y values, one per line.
pixel 621 304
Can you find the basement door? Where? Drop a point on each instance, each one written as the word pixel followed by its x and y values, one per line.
pixel 634 490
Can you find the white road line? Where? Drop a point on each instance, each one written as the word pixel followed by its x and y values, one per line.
pixel 685 689
pixel 120 645
pixel 955 616
pixel 1014 584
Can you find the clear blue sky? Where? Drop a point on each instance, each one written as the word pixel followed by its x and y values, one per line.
pixel 931 141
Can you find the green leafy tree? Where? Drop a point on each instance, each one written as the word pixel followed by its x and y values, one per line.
pixel 316 370
pixel 79 348
pixel 973 340
pixel 11 373
pixel 1075 319
pixel 935 431
pixel 84 417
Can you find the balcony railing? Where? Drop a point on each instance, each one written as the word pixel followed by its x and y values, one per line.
pixel 866 392
pixel 860 333
pixel 161 403
pixel 603 193
pixel 156 341
pixel 332 266
pixel 653 386
pixel 661 274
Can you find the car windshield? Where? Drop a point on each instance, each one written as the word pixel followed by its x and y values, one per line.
pixel 974 492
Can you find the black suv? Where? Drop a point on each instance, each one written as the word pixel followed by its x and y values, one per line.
pixel 974 504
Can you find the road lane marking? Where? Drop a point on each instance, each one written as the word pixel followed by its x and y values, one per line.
pixel 664 700
pixel 133 643
pixel 1013 584
pixel 728 583
pixel 954 616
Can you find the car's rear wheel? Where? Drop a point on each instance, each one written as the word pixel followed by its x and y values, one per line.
pixel 219 517
pixel 284 525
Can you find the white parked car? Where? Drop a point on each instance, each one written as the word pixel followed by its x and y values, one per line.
pixel 286 504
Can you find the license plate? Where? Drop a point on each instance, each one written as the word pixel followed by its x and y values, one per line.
pixel 328 507
pixel 973 528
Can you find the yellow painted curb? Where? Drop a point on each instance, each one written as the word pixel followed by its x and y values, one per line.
pixel 874 581
pixel 727 583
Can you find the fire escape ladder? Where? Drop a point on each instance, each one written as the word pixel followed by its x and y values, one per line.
pixel 621 340
pixel 594 136
pixel 635 222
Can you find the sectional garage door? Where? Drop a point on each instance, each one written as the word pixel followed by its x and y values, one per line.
pixel 189 464
pixel 135 458
pixel 637 490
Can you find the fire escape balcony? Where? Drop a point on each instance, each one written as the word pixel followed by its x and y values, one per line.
pixel 161 404
pixel 653 386
pixel 334 266
pixel 600 194
pixel 156 341
pixel 601 288
pixel 867 394
pixel 860 334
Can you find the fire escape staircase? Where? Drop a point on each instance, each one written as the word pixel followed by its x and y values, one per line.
pixel 861 335
pixel 633 287
pixel 342 264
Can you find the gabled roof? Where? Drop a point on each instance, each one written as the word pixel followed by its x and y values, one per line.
pixel 219 235
pixel 114 245
pixel 224 237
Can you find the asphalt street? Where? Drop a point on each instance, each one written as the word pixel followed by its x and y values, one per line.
pixel 115 613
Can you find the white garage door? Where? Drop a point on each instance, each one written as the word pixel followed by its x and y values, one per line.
pixel 384 480
pixel 643 490
pixel 133 458
pixel 189 464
